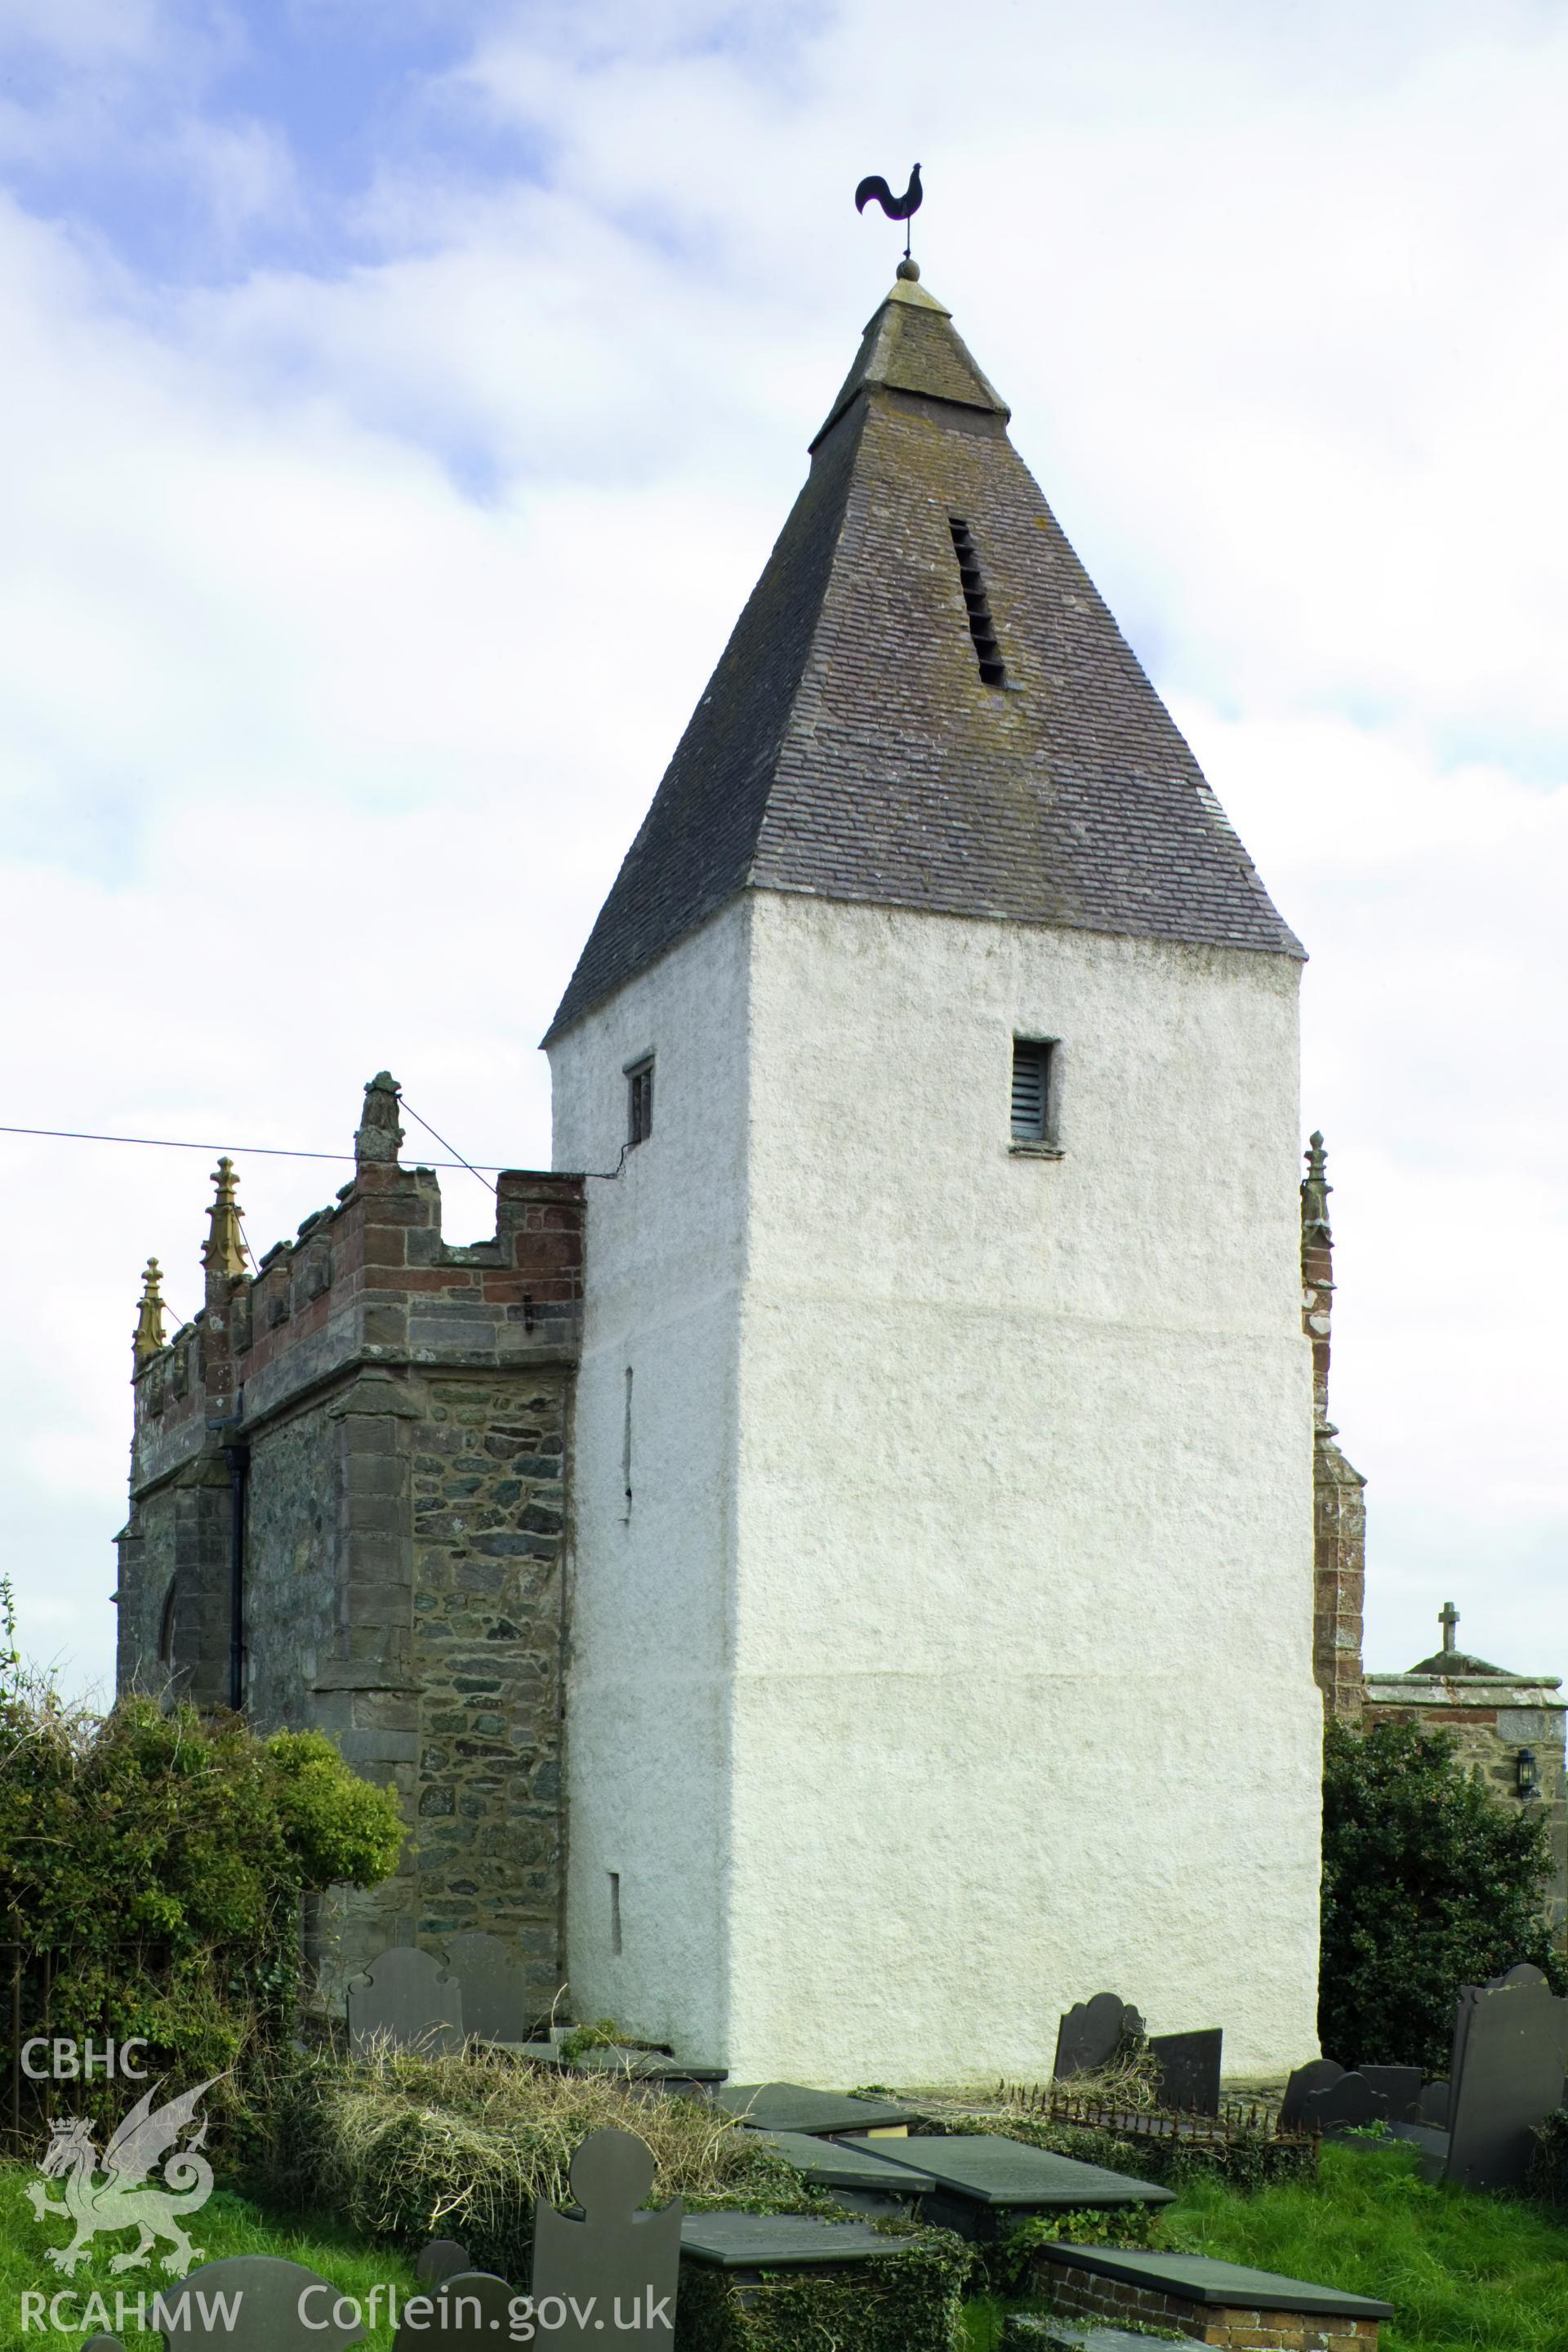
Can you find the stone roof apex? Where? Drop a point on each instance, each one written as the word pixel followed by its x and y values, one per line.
pixel 926 705
pixel 911 344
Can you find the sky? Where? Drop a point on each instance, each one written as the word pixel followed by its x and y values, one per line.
pixel 397 401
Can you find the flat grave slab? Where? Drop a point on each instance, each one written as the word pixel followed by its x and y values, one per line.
pixel 983 2168
pixel 1432 2143
pixel 773 2242
pixel 1199 2278
pixel 848 2164
pixel 643 2065
pixel 791 2106
pixel 1044 2334
pixel 648 2065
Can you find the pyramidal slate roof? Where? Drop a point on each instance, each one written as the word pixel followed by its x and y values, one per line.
pixel 847 746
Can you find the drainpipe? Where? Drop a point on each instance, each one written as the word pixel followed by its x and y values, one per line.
pixel 238 1460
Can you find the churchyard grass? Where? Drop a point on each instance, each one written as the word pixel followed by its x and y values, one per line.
pixel 1466 2273
pixel 228 2224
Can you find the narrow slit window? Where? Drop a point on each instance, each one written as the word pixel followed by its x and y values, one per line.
pixel 982 628
pixel 627 1446
pixel 616 1947
pixel 639 1100
pixel 1034 1108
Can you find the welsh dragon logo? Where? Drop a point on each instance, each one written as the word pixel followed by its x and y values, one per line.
pixel 120 2196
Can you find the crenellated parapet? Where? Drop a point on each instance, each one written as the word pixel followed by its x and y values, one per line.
pixel 367 1279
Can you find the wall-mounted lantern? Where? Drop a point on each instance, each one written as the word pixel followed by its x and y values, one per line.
pixel 1527 1773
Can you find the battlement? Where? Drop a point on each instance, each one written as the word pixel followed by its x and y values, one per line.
pixel 368 1279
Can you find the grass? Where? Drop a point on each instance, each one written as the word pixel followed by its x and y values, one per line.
pixel 226 2225
pixel 405 2148
pixel 1465 2273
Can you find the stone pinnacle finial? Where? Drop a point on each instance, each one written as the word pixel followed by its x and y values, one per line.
pixel 379 1135
pixel 1448 1618
pixel 149 1335
pixel 225 1251
pixel 1315 1189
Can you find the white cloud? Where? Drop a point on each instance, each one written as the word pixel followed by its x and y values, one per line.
pixel 347 617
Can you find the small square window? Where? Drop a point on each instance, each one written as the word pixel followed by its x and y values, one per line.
pixel 639 1100
pixel 1035 1090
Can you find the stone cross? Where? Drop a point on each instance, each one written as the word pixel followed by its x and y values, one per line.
pixel 1448 1617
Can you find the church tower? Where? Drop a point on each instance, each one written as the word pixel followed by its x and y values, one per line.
pixel 941 1617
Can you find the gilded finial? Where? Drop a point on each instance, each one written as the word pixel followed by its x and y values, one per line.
pixel 149 1336
pixel 225 1251
pixel 1315 1188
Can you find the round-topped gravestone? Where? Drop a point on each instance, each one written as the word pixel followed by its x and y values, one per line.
pixel 1091 2033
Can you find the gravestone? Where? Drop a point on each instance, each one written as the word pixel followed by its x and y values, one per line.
pixel 406 1998
pixel 252 2304
pixel 470 2307
pixel 1434 2104
pixel 627 2263
pixel 1348 2104
pixel 1091 2033
pixel 1401 2086
pixel 1189 2068
pixel 495 1993
pixel 442 2257
pixel 1512 2040
pixel 1318 2076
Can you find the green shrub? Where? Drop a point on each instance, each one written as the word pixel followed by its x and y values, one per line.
pixel 150 1871
pixel 1430 1884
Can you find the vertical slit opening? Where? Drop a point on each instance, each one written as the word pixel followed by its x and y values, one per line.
pixel 982 628
pixel 627 1446
pixel 616 1913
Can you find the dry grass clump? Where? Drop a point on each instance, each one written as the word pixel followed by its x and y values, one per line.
pixel 408 2147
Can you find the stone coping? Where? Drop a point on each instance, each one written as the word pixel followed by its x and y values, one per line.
pixel 846 2164
pixel 1458 1690
pixel 792 2106
pixel 985 2170
pixel 770 2242
pixel 1200 2278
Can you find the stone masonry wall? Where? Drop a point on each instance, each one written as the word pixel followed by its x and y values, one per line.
pixel 1488 1728
pixel 400 1406
pixel 289 1559
pixel 489 1521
